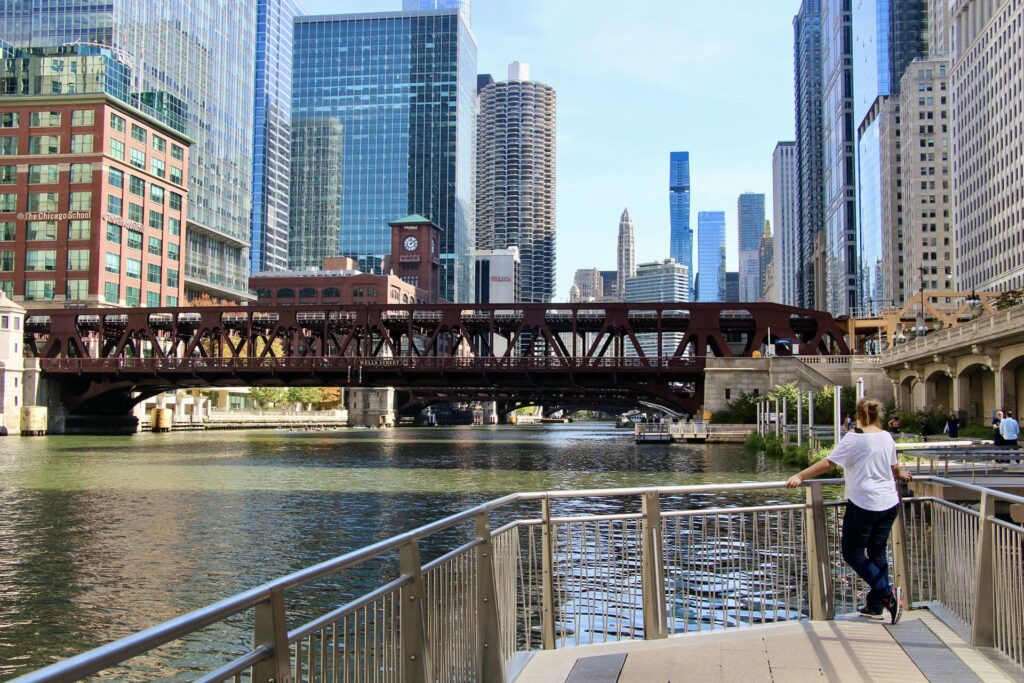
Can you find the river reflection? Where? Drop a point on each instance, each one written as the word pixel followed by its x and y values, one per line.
pixel 100 537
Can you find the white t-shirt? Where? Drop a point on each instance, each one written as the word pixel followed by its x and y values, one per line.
pixel 867 460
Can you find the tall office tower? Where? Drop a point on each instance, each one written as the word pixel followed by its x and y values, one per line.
pixel 402 86
pixel 711 255
pixel 681 240
pixel 810 191
pixel 786 216
pixel 766 258
pixel 662 282
pixel 498 276
pixel 732 286
pixel 986 120
pixel 926 207
pixel 515 177
pixel 839 205
pixel 272 135
pixel 626 254
pixel 750 224
pixel 196 66
pixel 589 283
pixel 887 36
pixel 317 159
pixel 426 5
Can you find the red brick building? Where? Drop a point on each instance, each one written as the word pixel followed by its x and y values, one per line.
pixel 93 198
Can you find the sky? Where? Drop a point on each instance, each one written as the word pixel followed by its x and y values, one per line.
pixel 636 81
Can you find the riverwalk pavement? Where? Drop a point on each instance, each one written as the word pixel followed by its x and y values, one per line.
pixel 920 648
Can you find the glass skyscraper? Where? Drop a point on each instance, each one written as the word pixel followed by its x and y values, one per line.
pixel 750 227
pixel 271 148
pixel 681 241
pixel 810 191
pixel 402 87
pixel 196 58
pixel 711 256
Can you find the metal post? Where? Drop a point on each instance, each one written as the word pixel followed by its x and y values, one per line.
pixel 653 580
pixel 785 422
pixel 775 408
pixel 860 388
pixel 812 437
pixel 415 652
pixel 983 623
pixel 757 406
pixel 901 555
pixel 547 597
pixel 819 576
pixel 799 418
pixel 837 412
pixel 488 667
pixel 271 631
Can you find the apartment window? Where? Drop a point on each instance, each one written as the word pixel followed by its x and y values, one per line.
pixel 159 144
pixel 8 202
pixel 153 273
pixel 133 268
pixel 172 278
pixel 39 290
pixel 137 186
pixel 8 119
pixel 44 119
pixel 172 251
pixel 174 226
pixel 156 219
pixel 175 175
pixel 176 152
pixel 6 261
pixel 77 290
pixel 81 173
pixel 153 299
pixel 7 231
pixel 114 205
pixel 138 159
pixel 115 178
pixel 112 263
pixel 117 122
pixel 9 146
pixel 81 201
pixel 157 167
pixel 171 300
pixel 132 296
pixel 41 259
pixel 8 175
pixel 82 144
pixel 7 287
pixel 155 246
pixel 78 259
pixel 43 173
pixel 117 149
pixel 83 117
pixel 79 230
pixel 156 193
pixel 135 212
pixel 134 240
pixel 138 133
pixel 41 231
pixel 43 144
pixel 42 201
pixel 174 202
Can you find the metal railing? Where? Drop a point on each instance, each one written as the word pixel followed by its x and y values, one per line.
pixel 654 562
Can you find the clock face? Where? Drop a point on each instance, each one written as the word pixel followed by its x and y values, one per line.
pixel 411 243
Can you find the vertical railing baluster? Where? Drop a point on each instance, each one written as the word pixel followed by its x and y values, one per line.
pixel 488 656
pixel 982 625
pixel 653 579
pixel 414 647
pixel 271 631
pixel 819 575
pixel 547 597
pixel 900 556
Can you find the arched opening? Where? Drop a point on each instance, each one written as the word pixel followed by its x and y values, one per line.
pixel 938 392
pixel 976 393
pixel 905 394
pixel 286 293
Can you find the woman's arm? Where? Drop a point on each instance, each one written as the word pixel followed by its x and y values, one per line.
pixel 818 468
pixel 901 474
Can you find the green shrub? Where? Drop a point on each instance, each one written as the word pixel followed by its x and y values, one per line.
pixel 773 446
pixel 754 443
pixel 977 432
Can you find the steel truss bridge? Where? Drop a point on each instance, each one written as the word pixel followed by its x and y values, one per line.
pixel 106 360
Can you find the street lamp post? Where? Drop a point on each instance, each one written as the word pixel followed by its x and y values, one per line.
pixel 921 327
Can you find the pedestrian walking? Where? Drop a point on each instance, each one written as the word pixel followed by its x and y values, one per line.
pixel 867 455
pixel 997 437
pixel 952 427
pixel 1009 429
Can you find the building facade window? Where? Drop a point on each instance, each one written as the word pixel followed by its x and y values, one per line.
pixel 42 201
pixel 79 230
pixel 117 123
pixel 41 231
pixel 8 119
pixel 138 159
pixel 174 226
pixel 7 231
pixel 174 201
pixel 134 240
pixel 39 290
pixel 78 259
pixel 44 144
pixel 6 261
pixel 41 260
pixel 159 144
pixel 43 173
pixel 111 292
pixel 77 290
pixel 156 220
pixel 82 144
pixel 135 212
pixel 153 273
pixel 83 117
pixel 114 205
pixel 137 186
pixel 115 178
pixel 8 175
pixel 155 246
pixel 138 133
pixel 81 201
pixel 8 202
pixel 112 263
pixel 133 268
pixel 117 149
pixel 152 299
pixel 157 167
pixel 81 173
pixel 113 233
pixel 44 119
pixel 172 278
pixel 156 194
pixel 133 296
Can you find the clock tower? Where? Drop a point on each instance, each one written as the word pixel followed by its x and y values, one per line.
pixel 416 254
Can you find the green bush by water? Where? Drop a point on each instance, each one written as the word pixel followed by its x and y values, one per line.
pixel 795 456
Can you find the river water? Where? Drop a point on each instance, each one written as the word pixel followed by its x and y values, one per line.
pixel 101 537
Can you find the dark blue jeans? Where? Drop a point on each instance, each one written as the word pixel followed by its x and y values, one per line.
pixel 865 539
